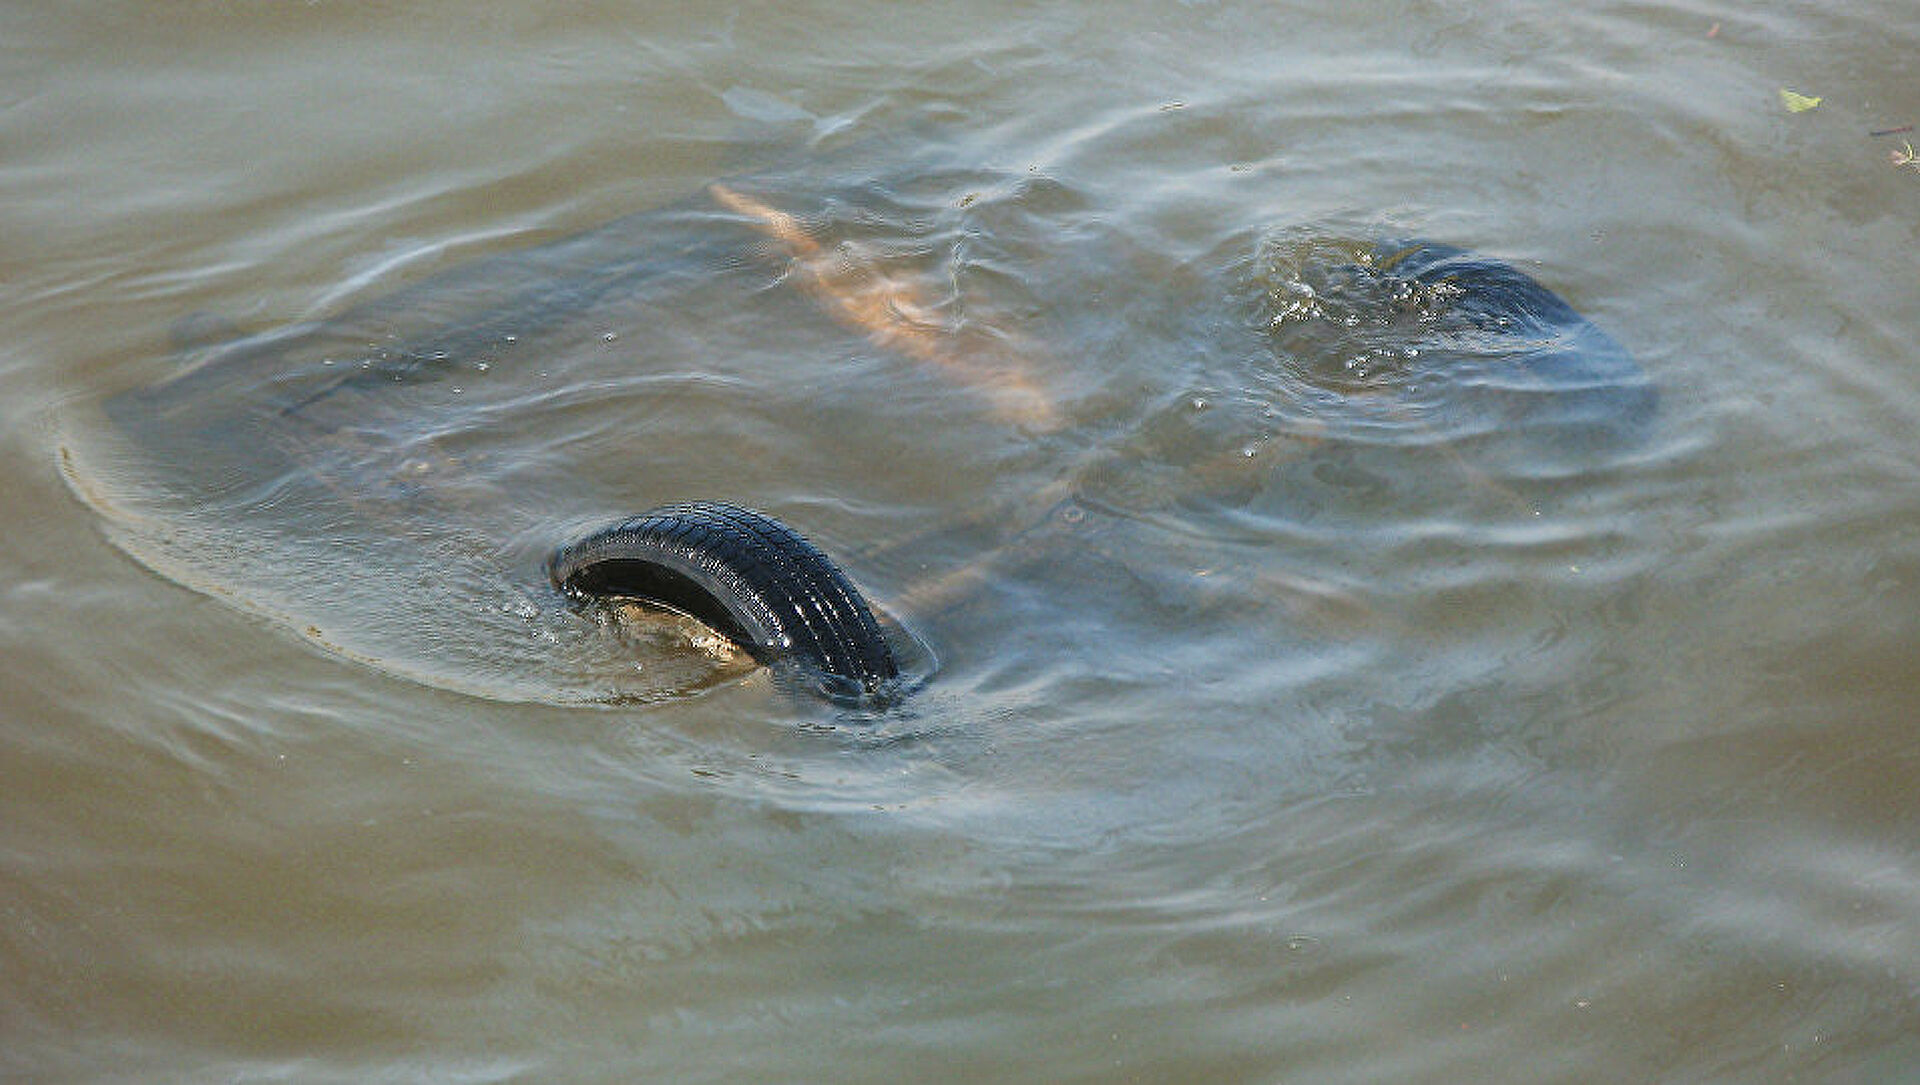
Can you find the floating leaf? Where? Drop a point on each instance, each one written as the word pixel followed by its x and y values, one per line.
pixel 1797 102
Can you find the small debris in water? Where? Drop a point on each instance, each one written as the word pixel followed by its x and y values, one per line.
pixel 1877 133
pixel 1797 102
pixel 609 337
pixel 1905 157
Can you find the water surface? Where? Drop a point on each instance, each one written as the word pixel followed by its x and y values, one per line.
pixel 1304 727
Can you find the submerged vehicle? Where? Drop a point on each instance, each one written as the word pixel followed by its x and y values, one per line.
pixel 370 481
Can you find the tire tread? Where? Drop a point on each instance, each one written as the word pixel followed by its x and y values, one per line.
pixel 784 597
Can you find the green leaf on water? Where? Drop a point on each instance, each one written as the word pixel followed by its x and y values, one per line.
pixel 1797 102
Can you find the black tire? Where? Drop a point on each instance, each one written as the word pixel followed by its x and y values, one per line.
pixel 750 577
pixel 1593 382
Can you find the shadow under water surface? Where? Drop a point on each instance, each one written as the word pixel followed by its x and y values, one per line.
pixel 1168 447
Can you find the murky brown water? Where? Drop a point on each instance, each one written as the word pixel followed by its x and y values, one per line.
pixel 1297 716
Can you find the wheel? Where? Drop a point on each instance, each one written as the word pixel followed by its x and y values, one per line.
pixel 750 577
